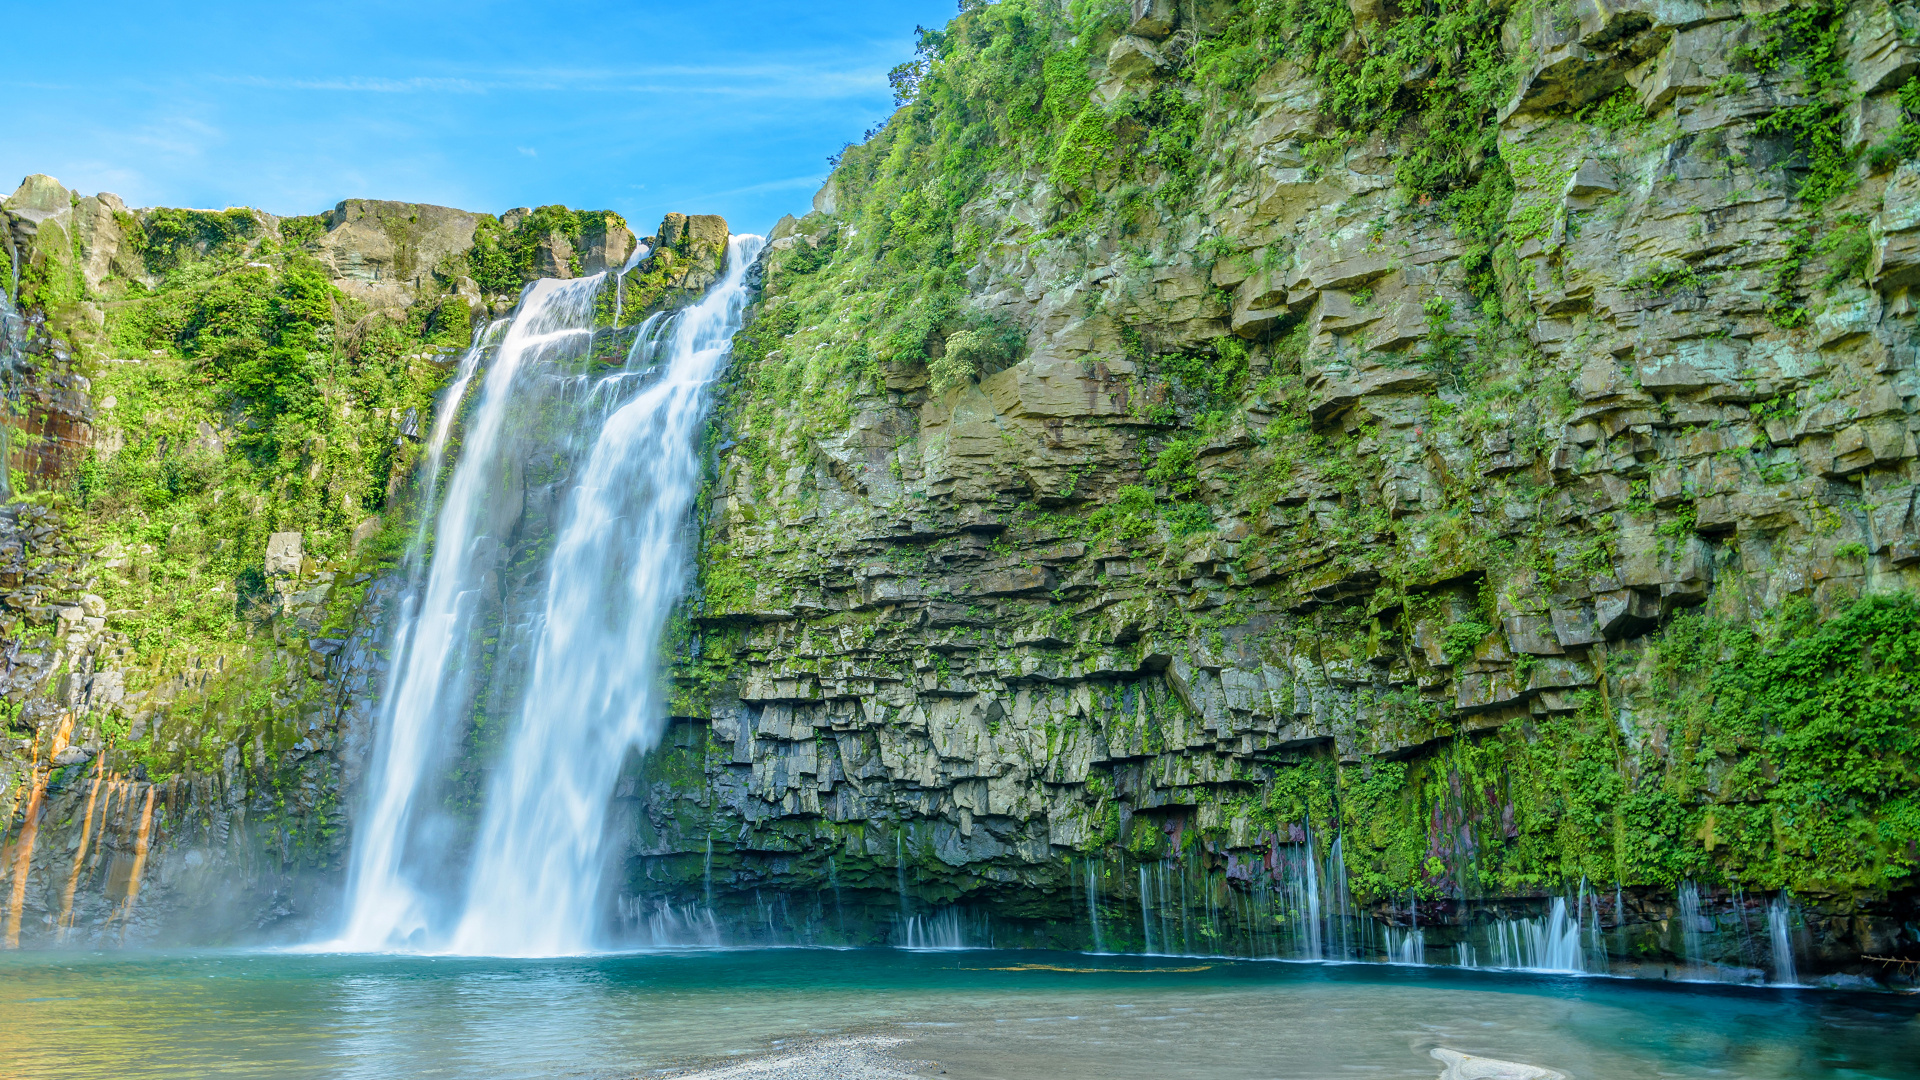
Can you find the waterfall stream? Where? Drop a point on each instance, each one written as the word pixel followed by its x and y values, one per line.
pixel 619 452
pixel 1780 938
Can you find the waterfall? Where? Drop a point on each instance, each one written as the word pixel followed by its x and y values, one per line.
pixel 618 567
pixel 942 930
pixel 1093 904
pixel 1406 946
pixel 1779 930
pixel 1548 944
pixel 589 643
pixel 399 860
pixel 1690 925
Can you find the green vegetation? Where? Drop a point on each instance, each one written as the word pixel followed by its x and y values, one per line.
pixel 1006 88
pixel 249 397
pixel 166 238
pixel 503 259
pixel 1904 143
pixel 1806 37
pixel 240 395
pixel 1794 763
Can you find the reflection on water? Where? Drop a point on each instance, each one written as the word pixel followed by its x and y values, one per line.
pixel 981 1014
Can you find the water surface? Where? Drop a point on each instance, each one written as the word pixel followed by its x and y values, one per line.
pixel 981 1014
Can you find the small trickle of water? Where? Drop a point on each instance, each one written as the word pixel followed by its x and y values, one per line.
pixel 12 358
pixel 1093 904
pixel 1690 924
pixel 900 870
pixel 1314 950
pixel 706 873
pixel 1339 901
pixel 1146 919
pixel 1780 932
pixel 640 251
pixel 1406 946
pixel 941 930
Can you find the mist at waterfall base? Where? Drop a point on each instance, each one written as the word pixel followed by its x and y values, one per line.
pixel 621 448
pixel 979 1014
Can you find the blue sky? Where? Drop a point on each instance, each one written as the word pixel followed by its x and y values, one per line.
pixel 290 107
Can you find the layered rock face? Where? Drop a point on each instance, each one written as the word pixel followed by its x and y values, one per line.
pixel 1302 511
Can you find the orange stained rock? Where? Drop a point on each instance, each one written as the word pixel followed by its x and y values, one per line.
pixel 30 832
pixel 139 863
pixel 80 856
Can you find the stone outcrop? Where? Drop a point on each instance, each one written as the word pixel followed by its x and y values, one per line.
pixel 684 257
pixel 383 253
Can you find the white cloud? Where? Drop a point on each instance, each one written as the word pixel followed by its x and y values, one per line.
pixel 827 79
pixel 791 183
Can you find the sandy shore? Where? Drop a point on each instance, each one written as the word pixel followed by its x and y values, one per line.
pixel 847 1057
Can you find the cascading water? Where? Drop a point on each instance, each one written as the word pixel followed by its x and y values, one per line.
pixel 1779 931
pixel 1406 946
pixel 617 569
pixel 943 930
pixel 399 855
pixel 1546 944
pixel 1690 926
pixel 1093 905
pixel 590 698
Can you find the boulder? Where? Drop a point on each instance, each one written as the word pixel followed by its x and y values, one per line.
pixel 1153 18
pixel 606 245
pixel 554 256
pixel 383 252
pixel 38 198
pixel 284 554
pixel 1132 63
pixel 72 755
pixel 827 199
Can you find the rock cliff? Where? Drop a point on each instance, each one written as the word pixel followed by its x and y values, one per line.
pixel 1506 470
